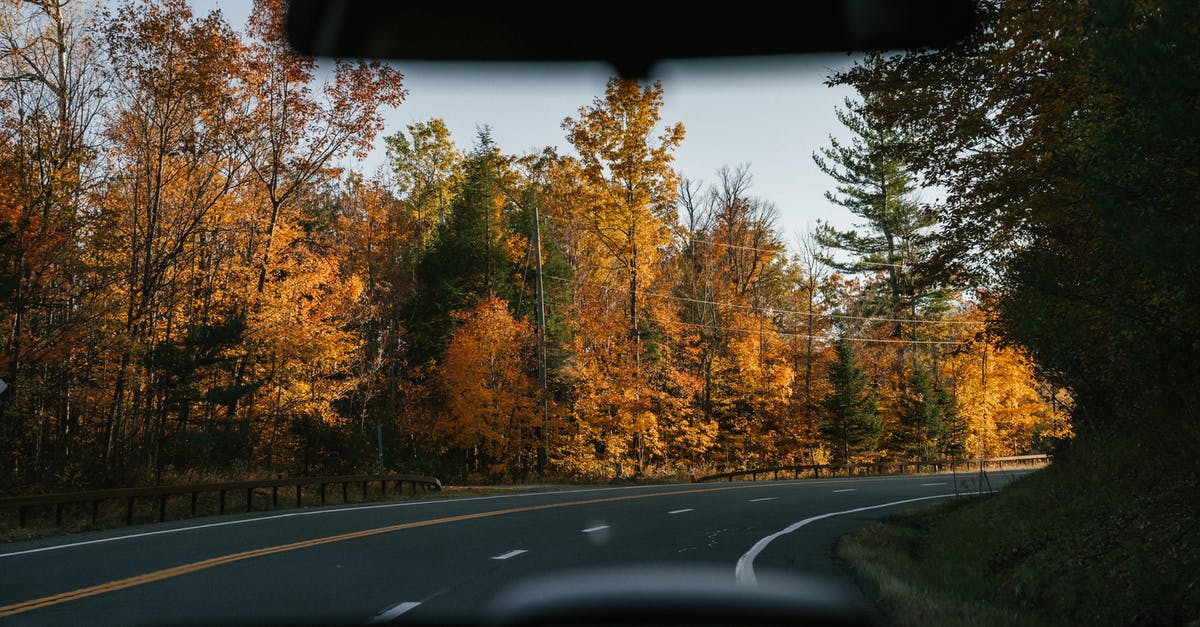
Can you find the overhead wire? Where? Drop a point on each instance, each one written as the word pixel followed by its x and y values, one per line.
pixel 771 309
pixel 775 331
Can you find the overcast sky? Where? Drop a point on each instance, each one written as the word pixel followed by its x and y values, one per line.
pixel 771 114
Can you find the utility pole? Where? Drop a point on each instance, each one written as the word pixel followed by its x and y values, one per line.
pixel 543 436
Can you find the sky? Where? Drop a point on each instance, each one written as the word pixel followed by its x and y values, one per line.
pixel 769 113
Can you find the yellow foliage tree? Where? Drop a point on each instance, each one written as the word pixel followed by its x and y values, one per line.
pixel 1007 410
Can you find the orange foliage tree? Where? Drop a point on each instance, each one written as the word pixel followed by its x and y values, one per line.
pixel 490 395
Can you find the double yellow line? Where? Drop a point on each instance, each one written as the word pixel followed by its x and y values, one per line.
pixel 168 573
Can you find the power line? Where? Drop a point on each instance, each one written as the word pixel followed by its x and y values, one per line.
pixel 808 335
pixel 738 246
pixel 772 309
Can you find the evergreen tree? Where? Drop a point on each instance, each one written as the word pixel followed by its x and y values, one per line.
pixel 877 186
pixel 852 423
pixel 469 259
pixel 927 414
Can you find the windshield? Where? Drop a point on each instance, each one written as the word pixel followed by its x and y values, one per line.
pixel 371 340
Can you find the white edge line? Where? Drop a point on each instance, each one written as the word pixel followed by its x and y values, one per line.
pixel 744 571
pixel 939 483
pixel 681 511
pixel 591 529
pixel 394 611
pixel 512 553
pixel 316 512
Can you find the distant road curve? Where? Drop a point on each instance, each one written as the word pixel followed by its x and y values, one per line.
pixel 435 559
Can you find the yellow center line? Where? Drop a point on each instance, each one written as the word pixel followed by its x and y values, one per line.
pixel 168 573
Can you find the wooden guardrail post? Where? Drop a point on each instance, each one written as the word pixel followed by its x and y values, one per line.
pixel 129 510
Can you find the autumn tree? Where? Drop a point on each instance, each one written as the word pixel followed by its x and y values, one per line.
pixel 426 169
pixel 290 126
pixel 490 397
pixel 632 178
pixel 51 95
pixel 733 268
pixel 169 173
pixel 630 186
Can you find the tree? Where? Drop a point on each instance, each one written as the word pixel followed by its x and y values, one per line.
pixel 632 179
pixel 169 174
pixel 874 184
pixel 625 175
pixel 928 415
pixel 1062 134
pixel 286 134
pixel 490 396
pixel 472 256
pixel 426 168
pixel 51 90
pixel 852 423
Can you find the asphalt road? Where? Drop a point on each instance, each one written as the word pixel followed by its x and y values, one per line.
pixel 416 561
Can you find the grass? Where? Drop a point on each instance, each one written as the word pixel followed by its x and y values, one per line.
pixel 1105 536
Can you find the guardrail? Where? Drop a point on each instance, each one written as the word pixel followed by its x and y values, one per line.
pixel 880 468
pixel 25 504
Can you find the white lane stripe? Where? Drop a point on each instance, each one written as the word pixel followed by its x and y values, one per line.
pixel 765 498
pixel 513 553
pixel 744 571
pixel 591 529
pixel 681 511
pixel 393 611
pixel 938 483
pixel 845 490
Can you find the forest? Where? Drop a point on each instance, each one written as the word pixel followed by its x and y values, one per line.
pixel 191 287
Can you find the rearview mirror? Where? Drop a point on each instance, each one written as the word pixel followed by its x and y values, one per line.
pixel 631 36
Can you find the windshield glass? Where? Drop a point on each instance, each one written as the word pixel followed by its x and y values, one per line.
pixel 371 340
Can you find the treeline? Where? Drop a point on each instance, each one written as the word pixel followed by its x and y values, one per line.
pixel 1066 135
pixel 189 286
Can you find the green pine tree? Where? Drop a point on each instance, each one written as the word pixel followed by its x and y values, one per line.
pixel 896 236
pixel 851 422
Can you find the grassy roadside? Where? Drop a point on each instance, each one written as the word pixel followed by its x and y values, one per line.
pixel 1104 536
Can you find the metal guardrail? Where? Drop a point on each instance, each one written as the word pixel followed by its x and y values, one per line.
pixel 25 504
pixel 880 468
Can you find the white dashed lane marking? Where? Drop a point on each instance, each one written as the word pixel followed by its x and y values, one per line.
pixel 765 498
pixel 591 529
pixel 681 511
pixel 392 612
pixel 512 553
pixel 845 490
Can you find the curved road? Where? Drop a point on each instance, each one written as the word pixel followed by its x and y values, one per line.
pixel 435 560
